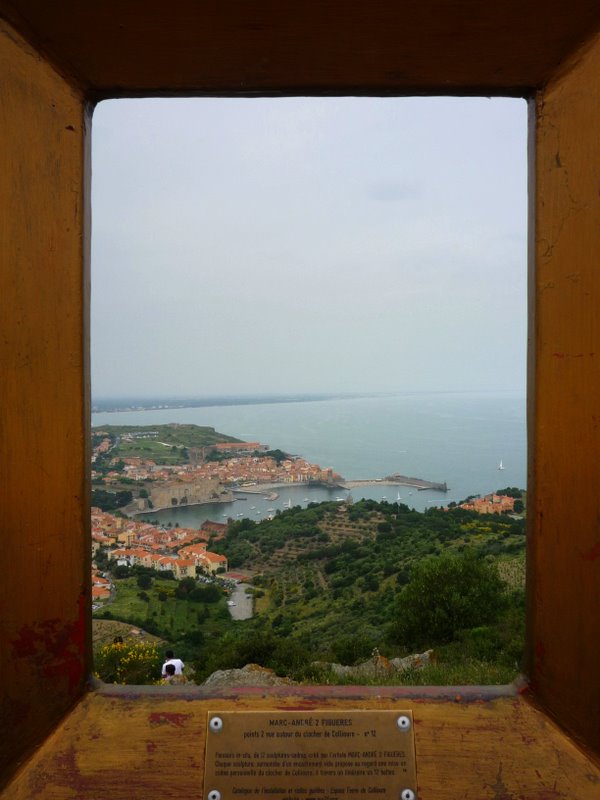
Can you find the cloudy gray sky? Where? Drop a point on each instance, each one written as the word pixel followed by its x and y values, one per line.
pixel 302 244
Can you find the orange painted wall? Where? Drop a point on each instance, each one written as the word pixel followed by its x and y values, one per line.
pixel 564 574
pixel 43 406
pixel 127 747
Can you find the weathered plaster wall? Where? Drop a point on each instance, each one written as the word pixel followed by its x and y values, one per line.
pixel 43 410
pixel 564 572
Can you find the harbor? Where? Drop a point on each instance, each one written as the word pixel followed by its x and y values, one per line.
pixel 396 480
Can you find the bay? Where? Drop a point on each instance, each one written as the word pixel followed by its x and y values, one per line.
pixel 459 438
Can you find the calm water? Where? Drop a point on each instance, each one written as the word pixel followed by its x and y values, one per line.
pixel 457 438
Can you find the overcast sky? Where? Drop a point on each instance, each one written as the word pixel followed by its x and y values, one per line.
pixel 300 244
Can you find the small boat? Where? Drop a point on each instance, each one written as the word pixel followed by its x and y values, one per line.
pixel 384 497
pixel 398 499
pixel 500 465
pixel 288 504
pixel 252 508
pixel 271 510
pixel 306 500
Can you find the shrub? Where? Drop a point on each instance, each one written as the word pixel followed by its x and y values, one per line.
pixel 352 649
pixel 205 594
pixel 447 594
pixel 128 662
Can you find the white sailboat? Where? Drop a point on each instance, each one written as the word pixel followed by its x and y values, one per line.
pixel 398 499
pixel 288 504
pixel 500 465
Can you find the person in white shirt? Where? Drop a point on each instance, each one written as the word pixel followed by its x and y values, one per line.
pixel 176 662
pixel 171 678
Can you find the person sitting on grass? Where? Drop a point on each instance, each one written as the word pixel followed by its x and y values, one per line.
pixel 171 677
pixel 177 663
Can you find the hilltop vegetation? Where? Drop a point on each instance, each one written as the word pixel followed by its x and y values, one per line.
pixel 170 446
pixel 334 581
pixel 186 614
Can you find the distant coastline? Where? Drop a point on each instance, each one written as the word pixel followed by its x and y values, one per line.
pixel 113 405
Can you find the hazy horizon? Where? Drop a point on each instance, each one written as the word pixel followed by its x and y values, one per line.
pixel 298 246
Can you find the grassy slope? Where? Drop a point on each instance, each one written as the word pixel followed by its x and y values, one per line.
pixel 331 580
pixel 331 575
pixel 173 434
pixel 172 618
pixel 105 630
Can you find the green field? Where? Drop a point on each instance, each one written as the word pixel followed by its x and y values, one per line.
pixel 153 450
pixel 171 444
pixel 171 619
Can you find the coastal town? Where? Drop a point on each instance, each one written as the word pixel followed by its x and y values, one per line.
pixel 207 474
pixel 180 551
pixel 210 474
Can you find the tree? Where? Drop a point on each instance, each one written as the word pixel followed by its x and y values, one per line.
pixel 205 594
pixel 144 581
pixel 511 491
pixel 121 571
pixel 447 594
pixel 110 501
pixel 101 558
pixel 184 587
pixel 277 455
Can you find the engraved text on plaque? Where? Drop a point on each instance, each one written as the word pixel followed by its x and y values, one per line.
pixel 324 755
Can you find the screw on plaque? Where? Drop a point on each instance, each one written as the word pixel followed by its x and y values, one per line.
pixel 407 794
pixel 215 794
pixel 403 723
pixel 216 724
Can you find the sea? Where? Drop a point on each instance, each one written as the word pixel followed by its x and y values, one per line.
pixel 475 442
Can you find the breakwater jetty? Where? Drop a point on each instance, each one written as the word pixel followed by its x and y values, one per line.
pixel 267 493
pixel 396 480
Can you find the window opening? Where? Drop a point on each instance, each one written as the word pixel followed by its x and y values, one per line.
pixel 339 283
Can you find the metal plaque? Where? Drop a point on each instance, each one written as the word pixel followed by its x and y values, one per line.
pixel 323 755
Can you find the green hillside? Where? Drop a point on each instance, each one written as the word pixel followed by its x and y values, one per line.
pixel 171 445
pixel 336 581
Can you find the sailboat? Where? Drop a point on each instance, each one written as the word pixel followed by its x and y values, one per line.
pixel 500 465
pixel 288 504
pixel 398 499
